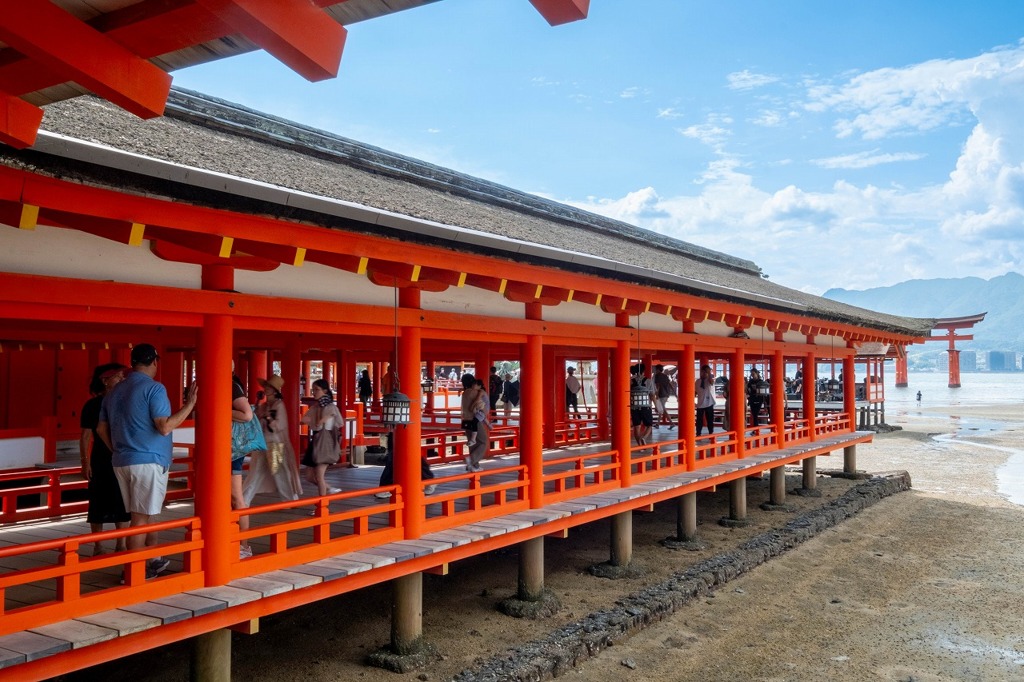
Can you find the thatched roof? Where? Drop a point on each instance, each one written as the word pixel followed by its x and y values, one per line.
pixel 209 134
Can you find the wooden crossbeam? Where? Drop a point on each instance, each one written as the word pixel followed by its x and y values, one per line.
pixel 77 52
pixel 557 12
pixel 296 32
pixel 19 121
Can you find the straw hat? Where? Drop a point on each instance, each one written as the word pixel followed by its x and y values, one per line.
pixel 275 382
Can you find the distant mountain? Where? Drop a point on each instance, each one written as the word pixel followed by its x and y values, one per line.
pixel 1001 297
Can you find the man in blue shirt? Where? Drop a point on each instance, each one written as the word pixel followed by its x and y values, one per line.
pixel 136 423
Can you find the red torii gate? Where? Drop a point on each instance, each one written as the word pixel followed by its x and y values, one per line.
pixel 950 325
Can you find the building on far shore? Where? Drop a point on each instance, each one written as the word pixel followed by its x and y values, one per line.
pixel 1002 361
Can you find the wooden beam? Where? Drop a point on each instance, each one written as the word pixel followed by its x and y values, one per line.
pixel 77 52
pixel 298 33
pixel 19 121
pixel 557 12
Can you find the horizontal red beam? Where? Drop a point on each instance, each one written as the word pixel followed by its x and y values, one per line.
pixel 19 121
pixel 558 12
pixel 297 32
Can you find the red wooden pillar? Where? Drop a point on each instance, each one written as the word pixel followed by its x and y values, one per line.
pixel 407 438
pixel 531 416
pixel 428 406
pixel 554 385
pixel 346 378
pixel 291 370
pixel 810 387
pixel 737 401
pixel 954 366
pixel 257 363
pixel 601 386
pixel 307 372
pixel 377 370
pixel 849 391
pixel 777 397
pixel 687 418
pixel 174 375
pixel 620 411
pixel 902 381
pixel 213 442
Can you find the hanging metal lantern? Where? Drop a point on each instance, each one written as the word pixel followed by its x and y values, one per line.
pixel 639 397
pixel 762 388
pixel 395 409
pixel 427 385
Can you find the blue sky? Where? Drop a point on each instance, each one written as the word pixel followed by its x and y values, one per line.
pixel 848 145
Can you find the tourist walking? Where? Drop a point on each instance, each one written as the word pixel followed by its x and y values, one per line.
pixel 572 390
pixel 274 470
pixel 510 393
pixel 136 423
pixel 705 395
pixel 324 421
pixel 642 419
pixel 663 391
pixel 474 410
pixel 105 503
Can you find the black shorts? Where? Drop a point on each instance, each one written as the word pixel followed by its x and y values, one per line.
pixel 643 416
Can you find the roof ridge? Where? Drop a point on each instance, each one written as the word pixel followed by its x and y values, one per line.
pixel 209 111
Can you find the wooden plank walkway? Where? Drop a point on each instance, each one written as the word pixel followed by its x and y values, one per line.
pixel 22 647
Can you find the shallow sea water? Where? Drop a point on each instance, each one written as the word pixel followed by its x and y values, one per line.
pixel 977 389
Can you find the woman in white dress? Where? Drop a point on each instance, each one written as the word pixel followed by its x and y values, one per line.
pixel 276 469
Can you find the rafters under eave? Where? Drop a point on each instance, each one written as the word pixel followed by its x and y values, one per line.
pixel 109 54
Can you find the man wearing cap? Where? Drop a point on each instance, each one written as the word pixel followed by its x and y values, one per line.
pixel 136 423
pixel 572 389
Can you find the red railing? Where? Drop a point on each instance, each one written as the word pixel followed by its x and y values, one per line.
pixel 714 448
pixel 489 493
pixel 37 493
pixel 760 439
pixel 441 447
pixel 327 533
pixel 576 431
pixel 570 477
pixel 796 431
pixel 42 492
pixel 84 585
pixel 659 459
pixel 832 423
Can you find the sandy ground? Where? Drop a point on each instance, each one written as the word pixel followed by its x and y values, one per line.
pixel 922 586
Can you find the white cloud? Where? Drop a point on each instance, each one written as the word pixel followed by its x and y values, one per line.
pixel 745 80
pixel 543 82
pixel 707 133
pixel 862 235
pixel 922 97
pixel 768 119
pixel 633 92
pixel 866 159
pixel 669 112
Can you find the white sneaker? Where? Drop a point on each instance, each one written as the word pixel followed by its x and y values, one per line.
pixel 333 491
pixel 476 468
pixel 244 552
pixel 429 490
pixel 469 463
pixel 383 495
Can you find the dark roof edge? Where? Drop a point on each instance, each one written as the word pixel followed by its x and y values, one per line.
pixel 211 112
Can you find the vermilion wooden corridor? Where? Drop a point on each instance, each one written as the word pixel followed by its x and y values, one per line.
pixel 273 585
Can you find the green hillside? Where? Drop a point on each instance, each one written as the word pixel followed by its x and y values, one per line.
pixel 1001 297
